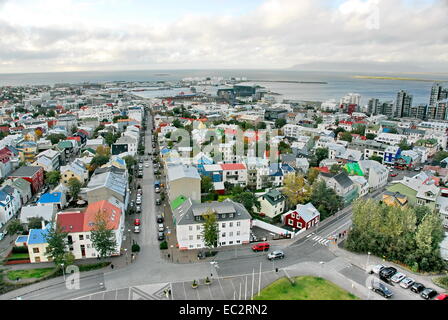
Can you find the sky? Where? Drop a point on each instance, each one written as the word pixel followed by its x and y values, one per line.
pixel 94 35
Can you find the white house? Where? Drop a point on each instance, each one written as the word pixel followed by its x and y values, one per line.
pixel 232 218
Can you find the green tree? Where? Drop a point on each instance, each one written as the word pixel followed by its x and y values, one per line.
pixel 103 237
pixel 346 136
pixel 439 156
pixel 338 130
pixel 325 200
pixel 15 226
pixel 261 126
pixel 370 136
pixel 51 114
pixel 55 138
pixel 248 200
pixel 74 187
pixel 57 242
pixel 296 189
pixel 176 123
pixel 319 155
pixel 404 145
pixel 68 259
pixel 35 223
pixel 53 177
pixel 130 163
pixel 206 184
pixel 376 158
pixel 312 175
pixel 210 230
pixel 280 123
pixel 360 129
pixel 99 160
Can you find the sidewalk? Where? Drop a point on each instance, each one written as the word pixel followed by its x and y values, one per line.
pixel 364 260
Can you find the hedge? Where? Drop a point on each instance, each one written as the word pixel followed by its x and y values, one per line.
pixel 22 249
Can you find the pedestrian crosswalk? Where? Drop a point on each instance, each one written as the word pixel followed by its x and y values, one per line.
pixel 321 241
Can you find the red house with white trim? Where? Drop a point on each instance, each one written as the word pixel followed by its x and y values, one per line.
pixel 303 217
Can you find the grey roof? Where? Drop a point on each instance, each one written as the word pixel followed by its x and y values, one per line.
pixel 46 211
pixel 22 185
pixel 112 178
pixel 188 212
pixel 26 171
pixel 176 172
pixel 308 212
pixel 288 157
pixel 342 179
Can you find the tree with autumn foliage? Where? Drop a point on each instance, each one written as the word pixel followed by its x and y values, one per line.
pixel 296 189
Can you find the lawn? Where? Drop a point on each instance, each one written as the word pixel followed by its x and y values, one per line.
pixel 30 273
pixel 441 281
pixel 305 288
pixel 19 256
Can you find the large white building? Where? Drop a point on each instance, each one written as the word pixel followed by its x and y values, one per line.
pixel 233 222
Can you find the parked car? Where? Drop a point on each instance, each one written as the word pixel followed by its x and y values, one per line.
pixel 137 229
pixel 161 227
pixel 157 190
pixel 139 209
pixel 2 235
pixel 376 269
pixel 261 247
pixel 428 293
pixel 161 236
pixel 146 165
pixel 137 222
pixel 398 277
pixel 158 202
pixel 278 254
pixel 382 290
pixel 159 219
pixel 393 175
pixel 407 282
pixel 442 296
pixel 417 169
pixel 417 287
pixel 139 201
pixel 387 273
pixel 132 204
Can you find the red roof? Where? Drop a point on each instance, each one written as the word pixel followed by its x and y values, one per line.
pixel 4 129
pixel 229 131
pixel 233 166
pixel 346 122
pixel 74 138
pixel 71 221
pixel 324 169
pixel 111 213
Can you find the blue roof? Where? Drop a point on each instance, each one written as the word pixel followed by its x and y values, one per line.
pixel 3 195
pixel 54 197
pixel 37 236
pixel 165 151
pixel 22 239
pixel 274 170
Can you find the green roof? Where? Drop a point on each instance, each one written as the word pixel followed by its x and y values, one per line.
pixel 354 169
pixel 65 144
pixel 405 190
pixel 176 203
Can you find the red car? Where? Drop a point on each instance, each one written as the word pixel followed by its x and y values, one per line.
pixel 394 174
pixel 261 247
pixel 442 296
pixel 136 222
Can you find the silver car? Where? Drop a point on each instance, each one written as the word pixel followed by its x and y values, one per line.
pixel 376 269
pixel 161 227
pixel 406 283
pixel 398 277
pixel 277 254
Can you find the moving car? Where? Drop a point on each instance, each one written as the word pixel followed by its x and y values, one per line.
pixel 146 165
pixel 442 296
pixel 159 219
pixel 278 254
pixel 137 229
pixel 137 222
pixel 161 227
pixel 161 236
pixel 376 269
pixel 428 293
pixel 407 282
pixel 261 247
pixel 417 287
pixel 2 235
pixel 381 289
pixel 158 202
pixel 398 277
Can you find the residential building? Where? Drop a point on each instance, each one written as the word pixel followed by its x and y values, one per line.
pixel 341 184
pixel 233 223
pixel 45 211
pixel 303 217
pixel 272 204
pixel 108 183
pixel 49 160
pixel 76 169
pixel 32 174
pixel 183 180
pixel 234 173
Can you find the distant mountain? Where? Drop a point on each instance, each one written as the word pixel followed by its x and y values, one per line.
pixel 374 67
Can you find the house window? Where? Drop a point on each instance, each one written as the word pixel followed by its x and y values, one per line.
pixel 299 225
pixel 238 224
pixel 223 235
pixel 87 236
pixel 198 237
pixel 81 237
pixel 223 225
pixel 237 233
pixel 190 228
pixel 238 241
pixel 190 238
pixel 230 242
pixel 230 234
pixel 198 227
pixel 290 222
pixel 35 250
pixel 293 215
pixel 230 224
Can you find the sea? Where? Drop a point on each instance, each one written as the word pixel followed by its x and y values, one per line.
pixel 338 84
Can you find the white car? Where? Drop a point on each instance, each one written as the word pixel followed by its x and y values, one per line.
pixel 161 227
pixel 407 282
pixel 136 229
pixel 146 165
pixel 376 269
pixel 398 277
pixel 2 235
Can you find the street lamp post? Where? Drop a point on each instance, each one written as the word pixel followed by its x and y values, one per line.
pixel 63 271
pixel 368 258
pixel 321 268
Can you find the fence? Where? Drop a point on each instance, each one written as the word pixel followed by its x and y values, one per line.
pixel 272 228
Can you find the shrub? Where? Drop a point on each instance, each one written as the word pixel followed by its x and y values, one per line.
pixel 20 249
pixel 164 245
pixel 93 266
pixel 135 248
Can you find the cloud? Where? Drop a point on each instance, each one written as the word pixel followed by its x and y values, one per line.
pixel 275 34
